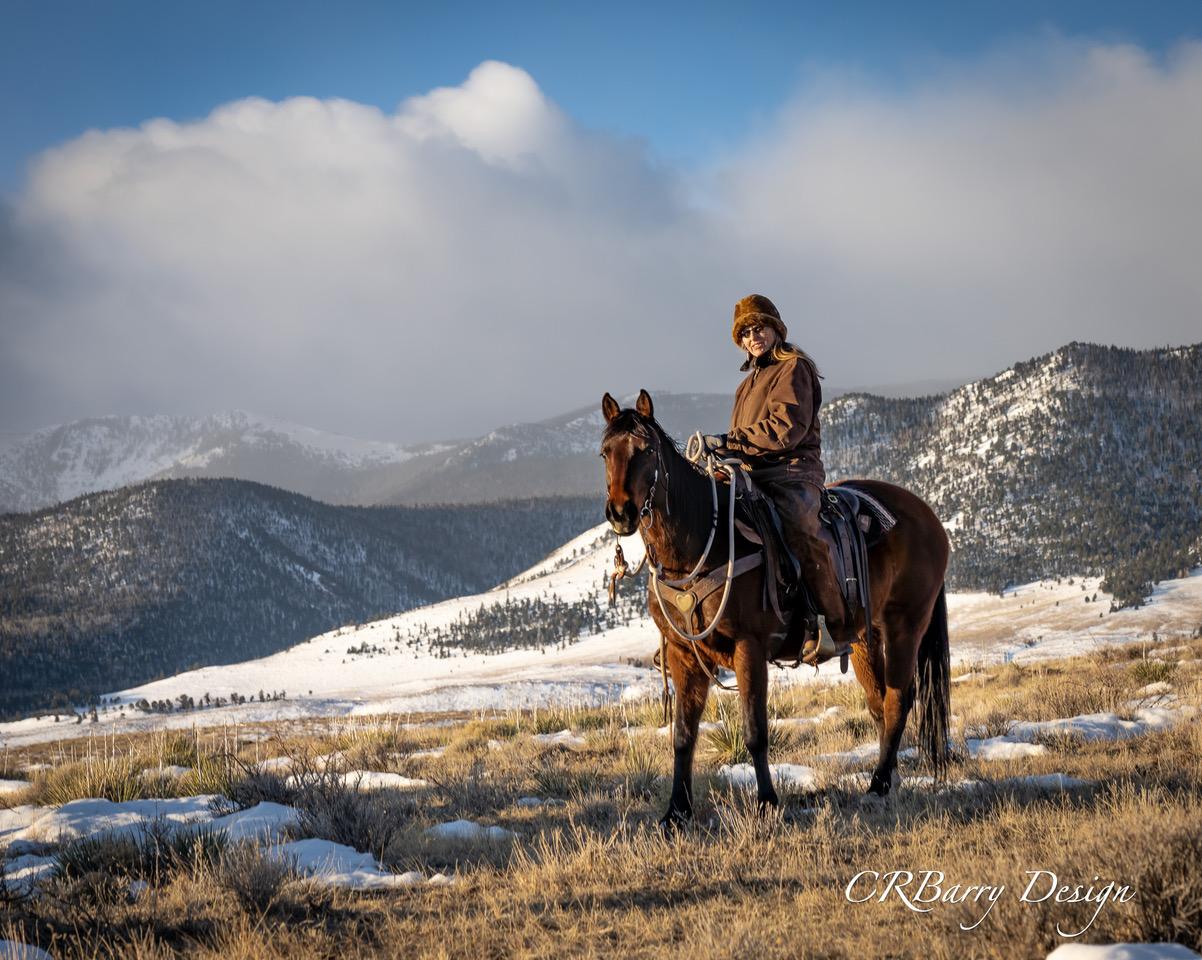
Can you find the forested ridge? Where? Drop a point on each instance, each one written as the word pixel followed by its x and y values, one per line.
pixel 1083 461
pixel 122 587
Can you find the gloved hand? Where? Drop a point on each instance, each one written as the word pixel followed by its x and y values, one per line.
pixel 714 443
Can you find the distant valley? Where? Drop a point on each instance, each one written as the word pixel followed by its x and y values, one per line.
pixel 141 582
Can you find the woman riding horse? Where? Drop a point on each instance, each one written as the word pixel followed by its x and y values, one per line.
pixel 675 506
pixel 774 430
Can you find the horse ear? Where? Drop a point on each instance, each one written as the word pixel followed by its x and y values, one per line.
pixel 643 404
pixel 609 407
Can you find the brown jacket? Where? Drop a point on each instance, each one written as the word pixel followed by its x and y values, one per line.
pixel 775 417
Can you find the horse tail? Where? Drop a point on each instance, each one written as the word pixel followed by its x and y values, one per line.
pixel 933 695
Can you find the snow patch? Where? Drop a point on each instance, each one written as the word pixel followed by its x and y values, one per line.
pixel 468 830
pixel 169 771
pixel 15 820
pixel 22 875
pixel 1122 951
pixel 564 738
pixel 1098 726
pixel 426 754
pixel 92 817
pixel 1003 748
pixel 795 723
pixel 786 776
pixel 864 753
pixel 338 865
pixel 540 802
pixel 375 780
pixel 265 822
pixel 15 950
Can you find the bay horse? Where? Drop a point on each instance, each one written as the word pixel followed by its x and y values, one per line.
pixel 652 488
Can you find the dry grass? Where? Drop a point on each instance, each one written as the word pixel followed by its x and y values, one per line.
pixel 257 882
pixel 594 877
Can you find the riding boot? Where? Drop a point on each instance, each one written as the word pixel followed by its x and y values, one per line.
pixel 818 572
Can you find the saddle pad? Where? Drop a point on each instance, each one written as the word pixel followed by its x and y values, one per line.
pixel 883 517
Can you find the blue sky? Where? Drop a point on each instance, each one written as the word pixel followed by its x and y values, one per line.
pixel 687 77
pixel 421 222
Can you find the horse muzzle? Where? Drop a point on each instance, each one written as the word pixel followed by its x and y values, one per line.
pixel 625 520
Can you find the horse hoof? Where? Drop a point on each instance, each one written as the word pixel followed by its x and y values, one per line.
pixel 674 820
pixel 872 800
pixel 768 806
pixel 880 786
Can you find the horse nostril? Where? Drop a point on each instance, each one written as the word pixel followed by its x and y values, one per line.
pixel 624 517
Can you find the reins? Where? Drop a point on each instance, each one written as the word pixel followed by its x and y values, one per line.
pixel 657 571
pixel 693 452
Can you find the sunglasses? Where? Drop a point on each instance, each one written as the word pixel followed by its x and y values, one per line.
pixel 753 331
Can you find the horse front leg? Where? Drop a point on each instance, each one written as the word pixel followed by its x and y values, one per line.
pixel 751 671
pixel 692 689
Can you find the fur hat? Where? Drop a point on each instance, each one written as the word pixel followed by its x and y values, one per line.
pixel 755 309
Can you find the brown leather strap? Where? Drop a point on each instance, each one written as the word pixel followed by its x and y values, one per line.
pixel 688 602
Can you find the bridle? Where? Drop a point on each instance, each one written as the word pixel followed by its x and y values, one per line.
pixel 648 510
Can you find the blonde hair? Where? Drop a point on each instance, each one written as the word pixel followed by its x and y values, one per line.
pixel 783 350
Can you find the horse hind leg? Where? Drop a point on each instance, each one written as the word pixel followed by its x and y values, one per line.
pixel 897 704
pixel 899 644
pixel 869 670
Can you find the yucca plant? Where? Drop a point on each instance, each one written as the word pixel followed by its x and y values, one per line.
pixel 175 748
pixel 115 855
pixel 116 778
pixel 640 769
pixel 555 718
pixel 646 712
pixel 215 773
pixel 158 851
pixel 1144 672
pixel 553 780
pixel 725 743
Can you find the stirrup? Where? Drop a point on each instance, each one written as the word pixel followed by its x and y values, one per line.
pixel 823 648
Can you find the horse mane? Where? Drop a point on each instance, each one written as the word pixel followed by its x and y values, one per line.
pixel 692 506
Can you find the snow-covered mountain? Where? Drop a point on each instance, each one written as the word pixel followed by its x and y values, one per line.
pixel 554 457
pixel 59 463
pixel 1082 460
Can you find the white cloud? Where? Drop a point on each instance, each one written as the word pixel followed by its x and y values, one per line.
pixel 477 257
pixel 999 213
